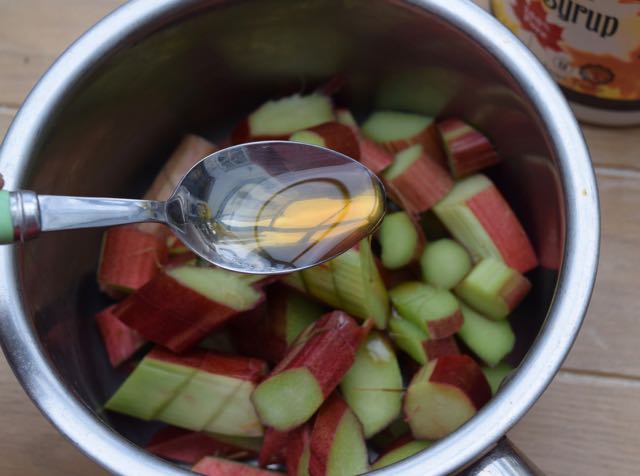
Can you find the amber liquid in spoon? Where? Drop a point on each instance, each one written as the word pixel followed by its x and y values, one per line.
pixel 271 214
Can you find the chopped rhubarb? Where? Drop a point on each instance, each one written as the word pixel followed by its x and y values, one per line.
pixel 337 442
pixel 478 216
pixel 496 375
pixel 493 288
pixel 190 447
pixel 312 368
pixel 273 447
pixel 181 306
pixel 467 150
pixel 373 385
pixel 409 337
pixel 398 130
pixel 217 397
pixel 444 263
pixel 129 259
pixel 415 181
pixel 435 348
pixel 331 135
pixel 435 311
pixel 488 339
pixel 443 395
pixel 400 240
pixel 212 466
pixel 400 452
pixel 120 341
pixel 280 118
pixel 298 450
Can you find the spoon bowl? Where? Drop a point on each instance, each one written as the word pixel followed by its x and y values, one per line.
pixel 263 208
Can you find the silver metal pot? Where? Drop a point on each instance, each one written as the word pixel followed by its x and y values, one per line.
pixel 105 115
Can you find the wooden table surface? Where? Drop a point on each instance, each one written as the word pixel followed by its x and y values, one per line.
pixel 587 422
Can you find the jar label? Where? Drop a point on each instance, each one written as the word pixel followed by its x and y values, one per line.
pixel 589 46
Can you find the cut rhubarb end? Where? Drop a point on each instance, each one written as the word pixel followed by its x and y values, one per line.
pixel 281 118
pixel 337 443
pixel 373 385
pixel 344 116
pixel 478 216
pixel 151 386
pixel 444 395
pixel 332 135
pixel 130 258
pixel 444 263
pixel 190 151
pixel 415 181
pixel 217 397
pixel 435 311
pixel 398 239
pixel 409 337
pixel 120 341
pixel 400 453
pixel 467 150
pixel 311 370
pixel 212 466
pixel 488 339
pixel 436 348
pixel 373 156
pixel 288 399
pixel 181 306
pixel 493 288
pixel 190 447
pixel 496 375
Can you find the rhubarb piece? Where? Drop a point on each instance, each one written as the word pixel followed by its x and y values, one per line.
pixel 189 447
pixel 154 383
pixel 417 343
pixel 373 385
pixel 273 447
pixel 331 135
pixel 280 118
pixel 298 451
pixel 488 339
pixel 479 217
pixel 398 130
pixel 443 395
pixel 467 150
pixel 351 282
pixel 181 306
pixel 129 259
pixel 493 288
pixel 415 181
pixel 217 397
pixel 267 333
pixel 400 452
pixel 120 341
pixel 191 150
pixel 496 375
pixel 408 337
pixel 212 466
pixel 434 310
pixel 398 239
pixel 444 263
pixel 337 442
pixel 312 368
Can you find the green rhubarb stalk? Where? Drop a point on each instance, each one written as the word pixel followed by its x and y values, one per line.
pixel 398 239
pixel 488 339
pixel 444 263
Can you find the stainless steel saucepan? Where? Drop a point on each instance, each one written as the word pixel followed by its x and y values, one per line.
pixel 103 118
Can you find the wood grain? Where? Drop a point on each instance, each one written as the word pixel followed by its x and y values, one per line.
pixel 33 33
pixel 583 425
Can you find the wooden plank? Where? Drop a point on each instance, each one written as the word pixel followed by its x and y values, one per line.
pixel 583 425
pixel 614 147
pixel 30 445
pixel 6 116
pixel 33 33
pixel 608 341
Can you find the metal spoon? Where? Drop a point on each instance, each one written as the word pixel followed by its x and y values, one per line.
pixel 264 208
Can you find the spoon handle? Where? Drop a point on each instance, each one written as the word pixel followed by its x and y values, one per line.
pixel 24 214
